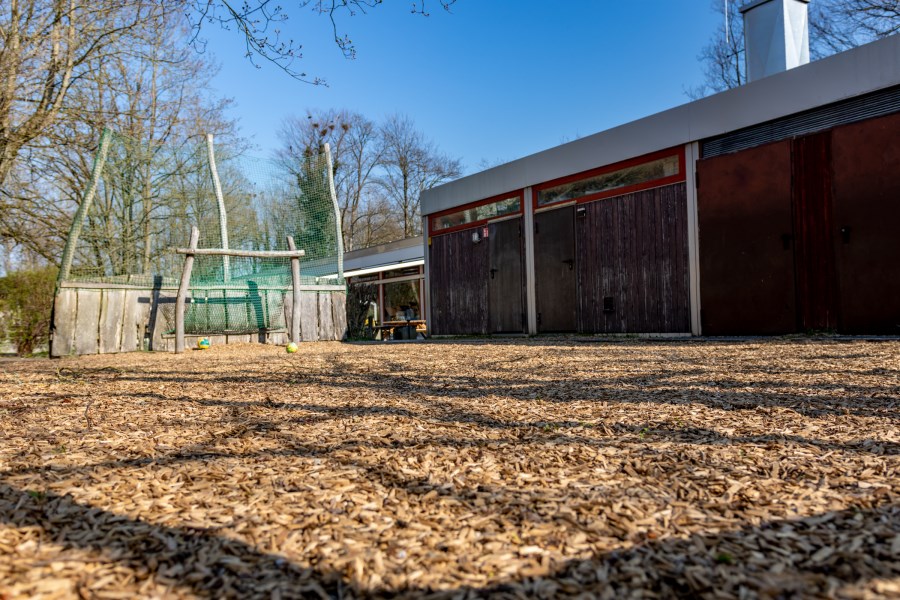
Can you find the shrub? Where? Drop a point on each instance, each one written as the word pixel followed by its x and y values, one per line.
pixel 360 297
pixel 26 300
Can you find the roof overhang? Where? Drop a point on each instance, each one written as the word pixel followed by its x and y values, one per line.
pixel 849 74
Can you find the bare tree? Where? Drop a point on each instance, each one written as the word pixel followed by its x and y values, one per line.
pixel 412 164
pixel 363 155
pixel 48 45
pixel 154 93
pixel 835 26
pixel 357 153
pixel 260 24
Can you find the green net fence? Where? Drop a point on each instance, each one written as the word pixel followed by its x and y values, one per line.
pixel 144 199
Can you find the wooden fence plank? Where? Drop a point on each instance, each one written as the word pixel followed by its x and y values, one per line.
pixel 326 318
pixel 339 314
pixel 64 323
pixel 165 320
pixel 309 317
pixel 278 338
pixel 87 322
pixel 112 309
pixel 135 315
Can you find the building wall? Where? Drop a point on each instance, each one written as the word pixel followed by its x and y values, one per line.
pixel 788 226
pixel 800 235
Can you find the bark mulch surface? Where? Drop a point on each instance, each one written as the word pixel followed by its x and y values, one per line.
pixel 528 468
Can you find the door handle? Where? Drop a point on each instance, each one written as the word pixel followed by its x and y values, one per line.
pixel 786 240
pixel 492 273
pixel 845 234
pixel 571 263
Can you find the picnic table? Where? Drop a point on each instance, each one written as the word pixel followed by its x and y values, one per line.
pixel 387 328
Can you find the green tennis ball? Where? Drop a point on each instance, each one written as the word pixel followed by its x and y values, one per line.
pixel 203 343
pixel 291 348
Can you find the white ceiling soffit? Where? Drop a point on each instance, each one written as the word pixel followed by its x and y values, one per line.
pixel 382 268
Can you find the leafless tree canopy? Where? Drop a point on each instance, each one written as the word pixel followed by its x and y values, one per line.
pixel 835 26
pixel 68 69
pixel 379 170
pixel 260 26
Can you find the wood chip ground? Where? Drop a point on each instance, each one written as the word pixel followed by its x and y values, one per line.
pixel 540 468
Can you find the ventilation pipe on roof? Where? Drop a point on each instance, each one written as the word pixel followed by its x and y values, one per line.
pixel 776 36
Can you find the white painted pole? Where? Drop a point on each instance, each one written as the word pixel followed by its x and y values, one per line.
pixel 530 290
pixel 691 154
pixel 426 240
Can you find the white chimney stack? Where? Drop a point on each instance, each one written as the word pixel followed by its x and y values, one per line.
pixel 776 36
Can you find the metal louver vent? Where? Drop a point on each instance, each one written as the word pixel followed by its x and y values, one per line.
pixel 876 104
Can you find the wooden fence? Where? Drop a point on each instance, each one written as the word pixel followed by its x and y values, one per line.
pixel 108 318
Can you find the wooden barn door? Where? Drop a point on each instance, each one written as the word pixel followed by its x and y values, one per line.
pixel 746 242
pixel 554 269
pixel 506 284
pixel 866 227
pixel 633 263
pixel 458 267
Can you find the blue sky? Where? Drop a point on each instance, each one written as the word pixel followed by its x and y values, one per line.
pixel 494 80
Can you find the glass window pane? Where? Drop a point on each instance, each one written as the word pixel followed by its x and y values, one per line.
pixel 656 169
pixel 500 208
pixel 401 272
pixel 401 301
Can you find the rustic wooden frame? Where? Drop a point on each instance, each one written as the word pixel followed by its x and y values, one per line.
pixel 192 251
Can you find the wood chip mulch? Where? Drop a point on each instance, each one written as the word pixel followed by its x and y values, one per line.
pixel 539 468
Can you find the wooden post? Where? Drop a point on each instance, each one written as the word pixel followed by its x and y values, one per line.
pixel 295 283
pixel 220 203
pixel 337 211
pixel 182 292
pixel 83 208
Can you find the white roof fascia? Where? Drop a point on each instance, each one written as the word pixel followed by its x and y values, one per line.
pixel 845 75
pixel 389 259
pixel 382 268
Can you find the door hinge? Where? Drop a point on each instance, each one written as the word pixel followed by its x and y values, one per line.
pixel 535 228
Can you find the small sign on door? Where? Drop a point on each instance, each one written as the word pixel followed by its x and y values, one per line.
pixel 484 231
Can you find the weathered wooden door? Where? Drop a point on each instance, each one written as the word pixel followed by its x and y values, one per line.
pixel 633 263
pixel 459 289
pixel 746 242
pixel 554 268
pixel 506 289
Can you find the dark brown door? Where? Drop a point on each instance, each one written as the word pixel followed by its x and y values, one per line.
pixel 866 228
pixel 506 289
pixel 633 263
pixel 746 242
pixel 554 269
pixel 816 278
pixel 458 270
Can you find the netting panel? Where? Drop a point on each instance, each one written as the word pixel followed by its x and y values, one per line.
pixel 147 199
